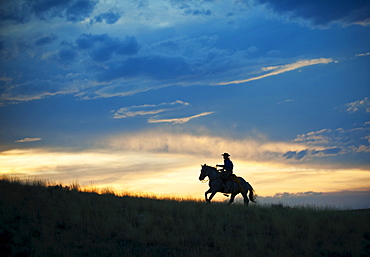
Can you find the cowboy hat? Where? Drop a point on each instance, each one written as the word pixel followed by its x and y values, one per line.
pixel 225 154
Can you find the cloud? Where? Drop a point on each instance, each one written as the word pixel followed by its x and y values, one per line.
pixel 80 9
pixel 275 70
pixel 333 142
pixel 136 172
pixel 199 145
pixel 315 137
pixel 36 89
pixel 151 66
pixel 338 136
pixel 160 171
pixel 28 139
pixel 359 105
pixel 295 155
pixel 66 55
pixel 197 12
pixel 178 120
pixel 45 39
pixel 309 153
pixel 150 109
pixel 71 10
pixel 103 47
pixel 322 13
pixel 108 17
pixel 147 109
pixel 111 63
pixel 329 142
pixel 364 54
pixel 340 199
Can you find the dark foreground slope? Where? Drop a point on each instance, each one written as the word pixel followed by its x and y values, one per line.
pixel 39 221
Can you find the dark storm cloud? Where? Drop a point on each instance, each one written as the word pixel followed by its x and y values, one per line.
pixel 321 13
pixel 103 47
pixel 71 10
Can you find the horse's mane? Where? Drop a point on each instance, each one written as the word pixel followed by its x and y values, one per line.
pixel 214 168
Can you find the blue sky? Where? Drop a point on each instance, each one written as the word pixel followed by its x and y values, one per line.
pixel 151 89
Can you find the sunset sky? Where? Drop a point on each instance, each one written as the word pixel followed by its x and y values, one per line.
pixel 136 95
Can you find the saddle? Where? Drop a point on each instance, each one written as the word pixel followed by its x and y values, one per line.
pixel 232 178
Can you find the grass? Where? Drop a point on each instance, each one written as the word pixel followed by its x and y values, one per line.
pixel 36 220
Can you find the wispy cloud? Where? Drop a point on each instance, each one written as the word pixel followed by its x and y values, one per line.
pixel 28 139
pixel 152 109
pixel 179 120
pixel 275 70
pixel 359 105
pixel 331 142
pixel 147 109
pixel 200 145
pixel 365 54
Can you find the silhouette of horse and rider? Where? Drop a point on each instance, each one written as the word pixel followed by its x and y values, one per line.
pixel 226 182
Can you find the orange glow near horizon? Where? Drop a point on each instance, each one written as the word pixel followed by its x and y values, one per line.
pixel 170 175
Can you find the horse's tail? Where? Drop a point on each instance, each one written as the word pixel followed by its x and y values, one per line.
pixel 252 194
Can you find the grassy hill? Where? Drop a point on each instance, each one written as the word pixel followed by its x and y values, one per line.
pixel 39 221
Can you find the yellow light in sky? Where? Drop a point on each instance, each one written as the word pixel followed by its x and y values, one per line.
pixel 171 174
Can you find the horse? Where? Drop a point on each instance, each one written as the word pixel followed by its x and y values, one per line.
pixel 231 187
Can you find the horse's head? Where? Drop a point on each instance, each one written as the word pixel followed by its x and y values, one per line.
pixel 206 171
pixel 203 172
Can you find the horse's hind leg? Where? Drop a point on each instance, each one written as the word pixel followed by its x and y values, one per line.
pixel 232 199
pixel 246 200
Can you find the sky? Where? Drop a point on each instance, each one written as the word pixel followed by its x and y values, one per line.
pixel 136 95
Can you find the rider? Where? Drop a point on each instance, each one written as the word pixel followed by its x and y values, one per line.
pixel 227 171
pixel 227 167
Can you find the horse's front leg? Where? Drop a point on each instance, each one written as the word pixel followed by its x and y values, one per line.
pixel 211 196
pixel 206 193
pixel 213 192
pixel 214 187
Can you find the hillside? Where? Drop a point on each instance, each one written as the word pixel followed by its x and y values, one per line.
pixel 39 221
